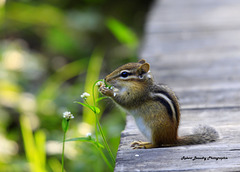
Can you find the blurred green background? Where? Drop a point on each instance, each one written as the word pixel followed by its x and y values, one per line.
pixel 51 51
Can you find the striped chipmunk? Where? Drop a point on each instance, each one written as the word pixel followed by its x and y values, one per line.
pixel 154 107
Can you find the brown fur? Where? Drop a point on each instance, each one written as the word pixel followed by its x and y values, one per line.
pixel 136 94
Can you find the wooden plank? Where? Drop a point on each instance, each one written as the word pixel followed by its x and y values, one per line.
pixel 181 14
pixel 149 160
pixel 218 117
pixel 210 79
pixel 160 159
pixel 172 159
pixel 192 25
pixel 209 98
pixel 174 60
pixel 204 16
pixel 170 4
pixel 189 42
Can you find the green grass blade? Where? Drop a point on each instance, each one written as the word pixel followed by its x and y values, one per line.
pixel 55 165
pixel 93 71
pixel 122 32
pixel 40 140
pixel 33 151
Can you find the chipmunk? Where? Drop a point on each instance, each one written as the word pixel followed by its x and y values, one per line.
pixel 154 107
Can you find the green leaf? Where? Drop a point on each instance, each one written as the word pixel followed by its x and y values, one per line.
pixel 86 105
pixel 65 125
pixel 101 98
pixel 93 108
pixel 97 110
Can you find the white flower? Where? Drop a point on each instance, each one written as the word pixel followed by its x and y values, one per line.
pixel 67 115
pixel 85 95
pixel 89 135
pixel 99 83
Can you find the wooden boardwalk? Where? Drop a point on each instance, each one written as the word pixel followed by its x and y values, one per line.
pixel 194 47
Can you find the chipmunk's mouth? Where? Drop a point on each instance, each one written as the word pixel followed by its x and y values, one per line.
pixel 110 86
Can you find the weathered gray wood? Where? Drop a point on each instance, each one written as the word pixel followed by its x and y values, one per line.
pixel 170 159
pixel 154 160
pixel 193 46
pixel 193 26
pixel 193 10
pixel 204 16
pixel 190 42
pixel 194 3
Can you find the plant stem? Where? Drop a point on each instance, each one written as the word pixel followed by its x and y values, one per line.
pixel 104 157
pixel 96 127
pixel 94 103
pixel 93 88
pixel 96 132
pixel 63 148
pixel 99 126
pixel 96 118
pixel 105 142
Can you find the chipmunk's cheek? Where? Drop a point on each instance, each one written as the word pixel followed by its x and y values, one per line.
pixel 115 91
pixel 119 89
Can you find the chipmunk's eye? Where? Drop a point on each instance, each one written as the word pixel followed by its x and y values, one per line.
pixel 124 74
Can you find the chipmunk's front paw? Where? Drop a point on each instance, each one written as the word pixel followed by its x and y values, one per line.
pixel 106 91
pixel 141 145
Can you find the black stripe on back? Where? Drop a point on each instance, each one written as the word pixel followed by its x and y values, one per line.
pixel 166 104
pixel 174 104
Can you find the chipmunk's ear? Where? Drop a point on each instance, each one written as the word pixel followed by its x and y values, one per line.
pixel 142 61
pixel 144 68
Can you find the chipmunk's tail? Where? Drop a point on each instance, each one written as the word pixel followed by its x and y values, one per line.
pixel 202 134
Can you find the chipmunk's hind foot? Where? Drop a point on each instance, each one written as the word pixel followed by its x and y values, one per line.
pixel 142 145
